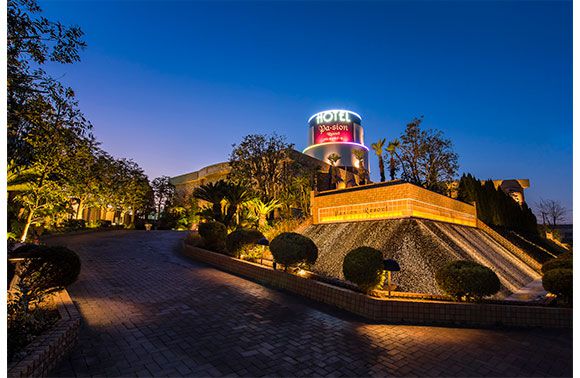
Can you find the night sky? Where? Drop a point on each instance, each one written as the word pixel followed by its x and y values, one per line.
pixel 173 84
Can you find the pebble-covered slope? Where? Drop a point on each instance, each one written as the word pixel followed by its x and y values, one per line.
pixel 420 247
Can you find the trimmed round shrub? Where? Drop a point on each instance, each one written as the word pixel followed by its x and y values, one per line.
pixel 214 235
pixel 559 282
pixel 559 263
pixel 51 268
pixel 291 248
pixel 364 267
pixel 467 279
pixel 194 239
pixel 241 239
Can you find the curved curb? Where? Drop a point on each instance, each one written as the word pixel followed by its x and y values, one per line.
pixel 48 349
pixel 403 311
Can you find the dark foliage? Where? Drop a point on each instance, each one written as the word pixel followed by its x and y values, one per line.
pixel 467 279
pixel 565 263
pixel 291 249
pixel 559 282
pixel 101 223
pixel 240 239
pixel 494 207
pixel 50 269
pixel 363 266
pixel 74 224
pixel 214 235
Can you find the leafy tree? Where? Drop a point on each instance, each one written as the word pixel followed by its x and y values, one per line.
pixel 32 41
pixel 426 157
pixel 163 194
pixel 359 155
pixel 392 150
pixel 494 207
pixel 332 175
pixel 378 148
pixel 258 162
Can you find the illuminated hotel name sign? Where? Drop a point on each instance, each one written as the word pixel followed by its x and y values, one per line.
pixel 334 126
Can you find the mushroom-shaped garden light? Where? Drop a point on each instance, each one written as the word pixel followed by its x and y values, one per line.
pixel 264 243
pixel 390 265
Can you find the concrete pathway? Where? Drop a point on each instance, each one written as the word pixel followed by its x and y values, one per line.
pixel 532 292
pixel 149 312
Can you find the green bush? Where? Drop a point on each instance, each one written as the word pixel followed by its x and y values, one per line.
pixel 214 235
pixel 74 224
pixel 364 267
pixel 291 249
pixel 467 279
pixel 194 239
pixel 50 269
pixel 102 223
pixel 559 282
pixel 559 263
pixel 241 239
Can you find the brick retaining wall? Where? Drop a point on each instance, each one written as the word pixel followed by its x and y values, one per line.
pixel 388 201
pixel 390 310
pixel 48 349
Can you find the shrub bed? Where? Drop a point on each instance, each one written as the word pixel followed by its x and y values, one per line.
pixel 214 235
pixel 241 241
pixel 467 279
pixel 559 282
pixel 364 267
pixel 293 249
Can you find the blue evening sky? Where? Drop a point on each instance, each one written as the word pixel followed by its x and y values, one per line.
pixel 173 84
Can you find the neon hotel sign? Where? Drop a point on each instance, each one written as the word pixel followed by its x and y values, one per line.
pixel 334 126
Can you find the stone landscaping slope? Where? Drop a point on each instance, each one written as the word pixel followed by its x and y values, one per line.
pixel 421 247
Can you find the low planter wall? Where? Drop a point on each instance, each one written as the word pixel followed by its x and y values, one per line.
pixel 412 311
pixel 48 349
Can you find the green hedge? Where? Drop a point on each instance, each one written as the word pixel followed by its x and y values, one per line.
pixel 559 282
pixel 241 239
pixel 559 263
pixel 364 267
pixel 214 235
pixel 467 279
pixel 291 249
pixel 49 268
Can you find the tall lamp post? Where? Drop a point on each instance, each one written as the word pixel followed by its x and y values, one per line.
pixel 390 265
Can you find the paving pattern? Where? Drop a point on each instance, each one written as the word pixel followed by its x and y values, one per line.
pixel 149 312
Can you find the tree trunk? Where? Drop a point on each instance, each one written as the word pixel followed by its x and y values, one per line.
pixel 26 226
pixel 79 214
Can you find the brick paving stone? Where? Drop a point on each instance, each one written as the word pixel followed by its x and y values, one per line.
pixel 147 311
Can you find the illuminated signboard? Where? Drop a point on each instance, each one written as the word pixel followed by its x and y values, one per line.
pixel 400 208
pixel 334 126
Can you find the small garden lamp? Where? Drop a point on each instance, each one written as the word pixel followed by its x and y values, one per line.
pixel 390 265
pixel 264 243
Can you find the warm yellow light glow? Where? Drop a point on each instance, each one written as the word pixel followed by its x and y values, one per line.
pixel 401 208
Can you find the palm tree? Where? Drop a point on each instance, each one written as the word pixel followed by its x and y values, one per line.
pixel 378 148
pixel 333 159
pixel 392 149
pixel 359 155
pixel 214 193
pixel 263 209
pixel 235 195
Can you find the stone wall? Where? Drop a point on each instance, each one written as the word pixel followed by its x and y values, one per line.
pixel 48 349
pixel 411 311
pixel 394 199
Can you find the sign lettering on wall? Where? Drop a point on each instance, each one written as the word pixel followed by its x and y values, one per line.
pixel 338 132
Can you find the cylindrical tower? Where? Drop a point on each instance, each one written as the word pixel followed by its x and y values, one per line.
pixel 336 131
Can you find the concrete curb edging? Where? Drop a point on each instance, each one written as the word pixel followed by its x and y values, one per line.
pixel 390 310
pixel 48 349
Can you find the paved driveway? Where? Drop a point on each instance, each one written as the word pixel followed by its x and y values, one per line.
pixel 148 311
